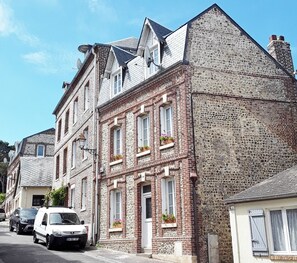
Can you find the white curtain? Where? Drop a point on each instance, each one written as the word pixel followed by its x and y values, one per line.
pixel 277 230
pixel 292 225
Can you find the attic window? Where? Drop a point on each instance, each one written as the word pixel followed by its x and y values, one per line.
pixel 154 55
pixel 117 82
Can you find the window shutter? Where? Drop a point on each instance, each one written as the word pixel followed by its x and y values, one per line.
pixel 258 232
pixel 139 131
pixel 162 120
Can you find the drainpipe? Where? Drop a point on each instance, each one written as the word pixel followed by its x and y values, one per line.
pixel 94 156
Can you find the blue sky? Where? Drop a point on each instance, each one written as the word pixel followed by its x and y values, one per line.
pixel 39 40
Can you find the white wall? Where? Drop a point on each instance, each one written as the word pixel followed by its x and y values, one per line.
pixel 241 233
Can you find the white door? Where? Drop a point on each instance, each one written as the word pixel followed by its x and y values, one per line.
pixel 146 241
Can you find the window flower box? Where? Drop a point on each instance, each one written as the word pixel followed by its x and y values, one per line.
pixel 165 139
pixel 143 148
pixel 117 223
pixel 117 157
pixel 168 218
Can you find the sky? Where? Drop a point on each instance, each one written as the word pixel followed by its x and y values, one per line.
pixel 39 41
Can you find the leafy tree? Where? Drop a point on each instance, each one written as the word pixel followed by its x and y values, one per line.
pixel 56 197
pixel 4 150
pixel 2 198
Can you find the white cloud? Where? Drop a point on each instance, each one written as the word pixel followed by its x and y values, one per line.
pixel 9 25
pixel 102 8
pixel 37 58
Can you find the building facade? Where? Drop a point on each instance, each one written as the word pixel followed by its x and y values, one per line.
pixel 196 115
pixel 30 171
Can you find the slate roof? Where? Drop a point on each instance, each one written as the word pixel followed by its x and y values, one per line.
pixel 127 43
pixel 36 171
pixel 160 31
pixel 122 56
pixel 282 185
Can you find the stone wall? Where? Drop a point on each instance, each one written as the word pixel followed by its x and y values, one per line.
pixel 244 120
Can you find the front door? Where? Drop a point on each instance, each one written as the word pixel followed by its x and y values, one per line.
pixel 146 205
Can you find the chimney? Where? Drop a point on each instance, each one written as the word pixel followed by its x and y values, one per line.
pixel 280 50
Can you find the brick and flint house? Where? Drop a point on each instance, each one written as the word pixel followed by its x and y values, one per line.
pixel 76 115
pixel 194 116
pixel 29 173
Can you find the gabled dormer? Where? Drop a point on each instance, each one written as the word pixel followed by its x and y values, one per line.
pixel 116 68
pixel 151 45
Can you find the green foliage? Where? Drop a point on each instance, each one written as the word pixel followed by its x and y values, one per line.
pixel 2 198
pixel 4 150
pixel 56 197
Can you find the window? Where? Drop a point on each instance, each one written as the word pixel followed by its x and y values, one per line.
pixel 72 196
pixel 38 200
pixel 40 150
pixel 59 130
pixel 83 193
pixel 166 121
pixel 117 141
pixel 86 97
pixel 73 154
pixel 143 131
pixel 284 230
pixel 115 206
pixel 75 110
pixel 58 167
pixel 117 83
pixel 65 153
pixel 154 54
pixel 86 135
pixel 66 127
pixel 168 196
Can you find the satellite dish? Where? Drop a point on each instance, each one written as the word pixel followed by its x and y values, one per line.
pixel 78 63
pixel 147 57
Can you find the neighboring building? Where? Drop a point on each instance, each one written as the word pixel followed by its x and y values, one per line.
pixel 196 115
pixel 263 220
pixel 30 171
pixel 75 116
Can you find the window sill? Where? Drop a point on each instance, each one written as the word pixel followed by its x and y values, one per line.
pixel 116 229
pixel 168 145
pixel 115 162
pixel 169 225
pixel 83 210
pixel 143 153
pixel 284 257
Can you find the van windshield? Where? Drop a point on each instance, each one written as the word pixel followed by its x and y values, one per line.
pixel 63 219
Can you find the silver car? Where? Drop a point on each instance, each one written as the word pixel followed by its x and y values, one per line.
pixel 2 214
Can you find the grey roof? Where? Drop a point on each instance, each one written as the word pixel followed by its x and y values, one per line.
pixel 36 171
pixel 122 56
pixel 160 31
pixel 127 43
pixel 282 185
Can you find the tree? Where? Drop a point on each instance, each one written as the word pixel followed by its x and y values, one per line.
pixel 4 150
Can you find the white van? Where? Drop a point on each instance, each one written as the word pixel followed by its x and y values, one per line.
pixel 57 226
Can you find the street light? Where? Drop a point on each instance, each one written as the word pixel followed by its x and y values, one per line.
pixel 82 145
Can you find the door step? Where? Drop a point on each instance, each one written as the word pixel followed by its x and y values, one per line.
pixel 147 253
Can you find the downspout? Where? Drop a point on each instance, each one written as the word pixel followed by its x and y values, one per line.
pixel 94 170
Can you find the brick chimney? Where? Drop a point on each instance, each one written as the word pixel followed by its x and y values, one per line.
pixel 280 50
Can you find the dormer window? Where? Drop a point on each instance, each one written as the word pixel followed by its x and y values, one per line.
pixel 117 82
pixel 154 55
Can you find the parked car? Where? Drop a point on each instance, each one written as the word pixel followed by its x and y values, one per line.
pixel 57 226
pixel 22 220
pixel 2 214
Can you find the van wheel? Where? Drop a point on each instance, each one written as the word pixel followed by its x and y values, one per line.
pixel 49 244
pixel 10 227
pixel 82 245
pixel 35 239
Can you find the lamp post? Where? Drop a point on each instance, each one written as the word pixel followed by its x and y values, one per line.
pixel 82 145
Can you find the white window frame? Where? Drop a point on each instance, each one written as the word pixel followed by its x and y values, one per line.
pixel 167 207
pixel 155 55
pixel 144 131
pixel 86 97
pixel 288 250
pixel 117 82
pixel 115 205
pixel 166 117
pixel 117 141
pixel 73 154
pixel 83 193
pixel 86 135
pixel 72 196
pixel 43 150
pixel 75 111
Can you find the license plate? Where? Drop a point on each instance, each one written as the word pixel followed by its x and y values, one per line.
pixel 72 239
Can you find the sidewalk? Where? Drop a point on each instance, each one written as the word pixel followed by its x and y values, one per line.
pixel 112 256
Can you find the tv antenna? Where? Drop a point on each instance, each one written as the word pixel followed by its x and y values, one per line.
pixel 78 63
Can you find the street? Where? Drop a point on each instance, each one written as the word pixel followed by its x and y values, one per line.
pixel 20 248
